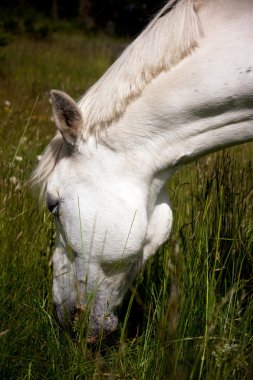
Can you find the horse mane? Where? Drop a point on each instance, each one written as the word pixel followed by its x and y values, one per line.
pixel 170 37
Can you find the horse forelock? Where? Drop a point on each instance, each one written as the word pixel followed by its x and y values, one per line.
pixel 171 36
pixel 47 163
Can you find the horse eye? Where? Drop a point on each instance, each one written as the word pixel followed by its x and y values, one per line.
pixel 53 206
pixel 54 209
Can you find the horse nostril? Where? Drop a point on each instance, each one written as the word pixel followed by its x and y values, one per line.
pixel 77 311
pixel 79 308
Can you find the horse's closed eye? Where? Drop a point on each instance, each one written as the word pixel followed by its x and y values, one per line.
pixel 53 206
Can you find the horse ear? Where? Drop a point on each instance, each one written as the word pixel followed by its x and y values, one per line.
pixel 67 116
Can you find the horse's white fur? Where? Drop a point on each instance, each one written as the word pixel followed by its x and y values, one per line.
pixel 113 208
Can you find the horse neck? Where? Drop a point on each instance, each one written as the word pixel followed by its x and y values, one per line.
pixel 202 105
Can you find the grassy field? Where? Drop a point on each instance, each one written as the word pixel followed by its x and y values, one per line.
pixel 189 315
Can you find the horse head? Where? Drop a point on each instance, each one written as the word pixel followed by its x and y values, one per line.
pixel 102 208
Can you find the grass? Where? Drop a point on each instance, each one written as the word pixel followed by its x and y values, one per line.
pixel 189 315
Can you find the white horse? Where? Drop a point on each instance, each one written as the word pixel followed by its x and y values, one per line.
pixel 182 89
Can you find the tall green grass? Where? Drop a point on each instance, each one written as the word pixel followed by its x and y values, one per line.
pixel 189 314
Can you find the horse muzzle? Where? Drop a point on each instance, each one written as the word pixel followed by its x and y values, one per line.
pixel 96 324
